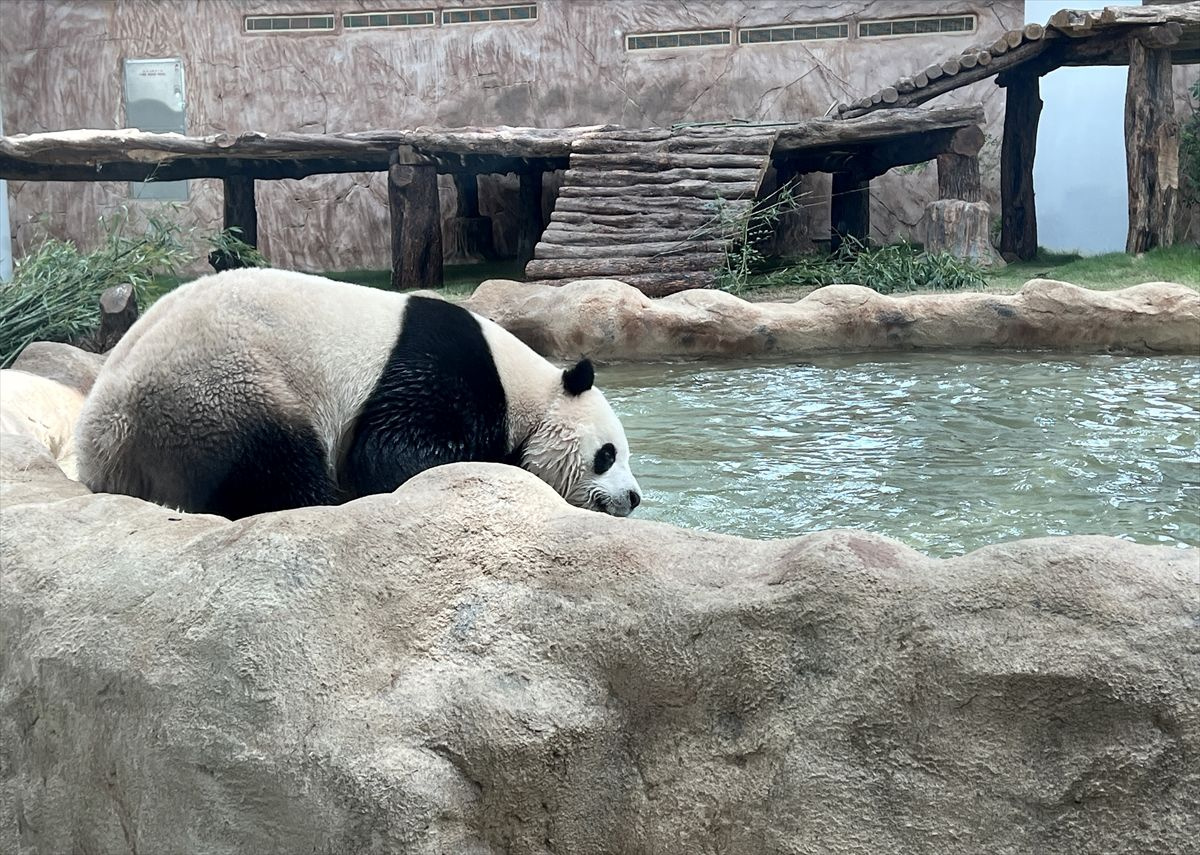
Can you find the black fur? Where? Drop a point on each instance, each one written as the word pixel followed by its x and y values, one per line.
pixel 439 400
pixel 580 378
pixel 273 467
pixel 606 456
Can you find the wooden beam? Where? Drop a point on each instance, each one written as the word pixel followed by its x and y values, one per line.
pixel 876 158
pixel 1151 148
pixel 530 218
pixel 880 125
pixel 849 209
pixel 240 210
pixel 184 168
pixel 1023 107
pixel 1077 23
pixel 416 226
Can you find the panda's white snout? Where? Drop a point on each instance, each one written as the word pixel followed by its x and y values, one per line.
pixel 620 505
pixel 618 494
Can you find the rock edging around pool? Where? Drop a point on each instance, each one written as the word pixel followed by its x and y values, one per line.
pixel 471 665
pixel 609 320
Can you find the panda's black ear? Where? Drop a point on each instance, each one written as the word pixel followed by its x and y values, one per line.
pixel 579 379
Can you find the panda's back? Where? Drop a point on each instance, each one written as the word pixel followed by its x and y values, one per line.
pixel 289 355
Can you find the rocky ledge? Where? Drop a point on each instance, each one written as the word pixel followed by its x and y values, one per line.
pixel 612 321
pixel 470 665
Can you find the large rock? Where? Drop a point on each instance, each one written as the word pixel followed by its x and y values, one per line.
pixel 43 410
pixel 470 665
pixel 607 319
pixel 61 362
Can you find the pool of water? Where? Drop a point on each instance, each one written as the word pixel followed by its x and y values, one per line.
pixel 946 452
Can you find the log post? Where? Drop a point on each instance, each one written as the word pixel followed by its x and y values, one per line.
pixel 958 177
pixel 1023 107
pixel 789 227
pixel 118 311
pixel 962 229
pixel 466 186
pixel 240 210
pixel 849 209
pixel 1151 148
pixel 530 217
pixel 468 235
pixel 416 222
pixel 958 167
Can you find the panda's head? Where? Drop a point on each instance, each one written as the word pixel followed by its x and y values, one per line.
pixel 579 448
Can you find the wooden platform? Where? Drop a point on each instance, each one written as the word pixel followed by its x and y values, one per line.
pixel 643 205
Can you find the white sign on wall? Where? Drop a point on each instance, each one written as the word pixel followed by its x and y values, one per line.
pixel 154 101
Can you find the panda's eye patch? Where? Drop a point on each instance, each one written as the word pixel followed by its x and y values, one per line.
pixel 605 458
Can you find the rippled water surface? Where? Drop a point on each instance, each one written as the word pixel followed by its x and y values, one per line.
pixel 947 452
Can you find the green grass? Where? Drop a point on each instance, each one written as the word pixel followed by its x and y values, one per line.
pixel 1099 272
pixel 1103 272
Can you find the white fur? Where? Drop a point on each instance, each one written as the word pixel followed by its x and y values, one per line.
pixel 329 342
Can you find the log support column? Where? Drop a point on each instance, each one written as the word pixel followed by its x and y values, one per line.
pixel 849 209
pixel 469 235
pixel 530 217
pixel 790 227
pixel 416 222
pixel 1023 108
pixel 240 213
pixel 958 167
pixel 1151 147
pixel 959 222
pixel 240 210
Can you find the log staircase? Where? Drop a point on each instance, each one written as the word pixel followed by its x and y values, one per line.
pixel 652 207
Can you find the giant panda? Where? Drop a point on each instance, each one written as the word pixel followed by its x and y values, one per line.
pixel 259 390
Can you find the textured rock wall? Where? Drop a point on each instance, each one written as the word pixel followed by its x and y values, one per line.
pixel 470 665
pixel 61 63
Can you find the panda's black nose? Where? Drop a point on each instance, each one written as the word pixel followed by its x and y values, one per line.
pixel 634 499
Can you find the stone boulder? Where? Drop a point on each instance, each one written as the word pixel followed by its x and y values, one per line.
pixel 43 410
pixel 609 320
pixel 470 665
pixel 62 362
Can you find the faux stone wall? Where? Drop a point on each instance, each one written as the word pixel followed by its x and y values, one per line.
pixel 61 67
